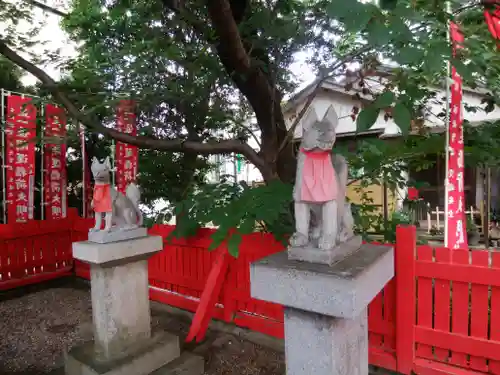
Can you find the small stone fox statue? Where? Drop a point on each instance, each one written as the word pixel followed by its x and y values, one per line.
pixel 120 210
pixel 321 212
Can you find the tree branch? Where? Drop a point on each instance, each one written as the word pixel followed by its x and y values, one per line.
pixel 47 8
pixel 227 31
pixel 189 18
pixel 247 76
pixel 173 145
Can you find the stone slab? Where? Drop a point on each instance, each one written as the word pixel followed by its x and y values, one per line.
pixel 322 345
pixel 187 364
pixel 116 234
pixel 343 290
pixel 120 306
pixel 330 257
pixel 162 349
pixel 112 253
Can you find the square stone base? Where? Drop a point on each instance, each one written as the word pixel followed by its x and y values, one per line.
pixel 322 345
pixel 343 290
pixel 330 257
pixel 161 349
pixel 120 252
pixel 186 364
pixel 116 234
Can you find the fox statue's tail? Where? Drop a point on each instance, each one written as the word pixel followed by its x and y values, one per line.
pixel 341 168
pixel 134 194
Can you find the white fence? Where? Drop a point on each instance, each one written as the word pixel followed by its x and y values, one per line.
pixel 437 217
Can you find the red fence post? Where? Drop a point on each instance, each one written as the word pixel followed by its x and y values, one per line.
pixel 209 296
pixel 404 268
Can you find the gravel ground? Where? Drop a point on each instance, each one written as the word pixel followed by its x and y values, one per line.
pixel 36 328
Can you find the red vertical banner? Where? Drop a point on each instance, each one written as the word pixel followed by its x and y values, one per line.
pixel 455 204
pixel 87 191
pixel 492 17
pixel 55 178
pixel 20 135
pixel 126 155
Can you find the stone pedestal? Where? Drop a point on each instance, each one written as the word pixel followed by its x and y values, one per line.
pixel 123 342
pixel 326 330
pixel 331 256
pixel 117 234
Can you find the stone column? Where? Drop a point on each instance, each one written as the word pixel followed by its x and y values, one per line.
pixel 123 341
pixel 120 292
pixel 326 329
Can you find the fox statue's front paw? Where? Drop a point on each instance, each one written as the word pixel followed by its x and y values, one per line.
pixel 326 242
pixel 299 239
pixel 315 233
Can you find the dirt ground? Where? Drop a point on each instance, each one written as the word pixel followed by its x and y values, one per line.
pixel 37 325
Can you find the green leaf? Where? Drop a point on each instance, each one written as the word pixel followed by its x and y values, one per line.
pixel 464 70
pixel 384 100
pixel 233 244
pixel 367 118
pixel 399 30
pixel 388 4
pixel 217 238
pixel 247 225
pixel 378 33
pixel 339 8
pixel 410 55
pixel 434 62
pixel 402 117
pixel 354 14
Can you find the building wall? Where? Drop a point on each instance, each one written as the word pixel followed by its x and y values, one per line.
pixel 343 106
pixel 374 193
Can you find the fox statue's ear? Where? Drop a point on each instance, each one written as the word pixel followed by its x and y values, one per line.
pixel 309 119
pixel 107 163
pixel 331 117
pixel 95 161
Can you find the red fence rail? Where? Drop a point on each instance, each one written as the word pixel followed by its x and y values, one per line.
pixel 34 252
pixel 439 315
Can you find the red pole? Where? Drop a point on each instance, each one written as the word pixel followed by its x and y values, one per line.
pixel 404 264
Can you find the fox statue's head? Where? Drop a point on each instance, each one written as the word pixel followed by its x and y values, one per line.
pixel 319 134
pixel 101 171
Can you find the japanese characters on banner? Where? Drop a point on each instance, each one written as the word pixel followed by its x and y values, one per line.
pixel 20 158
pixel 455 205
pixel 55 185
pixel 126 155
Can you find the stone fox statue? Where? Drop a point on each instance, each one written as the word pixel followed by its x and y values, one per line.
pixel 120 210
pixel 321 212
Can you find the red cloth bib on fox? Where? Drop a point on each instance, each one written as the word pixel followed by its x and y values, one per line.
pixel 319 179
pixel 102 198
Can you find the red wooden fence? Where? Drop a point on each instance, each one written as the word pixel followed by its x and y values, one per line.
pixel 35 251
pixel 439 315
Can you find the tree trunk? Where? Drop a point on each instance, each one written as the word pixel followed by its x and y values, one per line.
pixel 273 134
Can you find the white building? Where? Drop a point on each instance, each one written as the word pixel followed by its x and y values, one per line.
pixel 233 167
pixel 334 93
